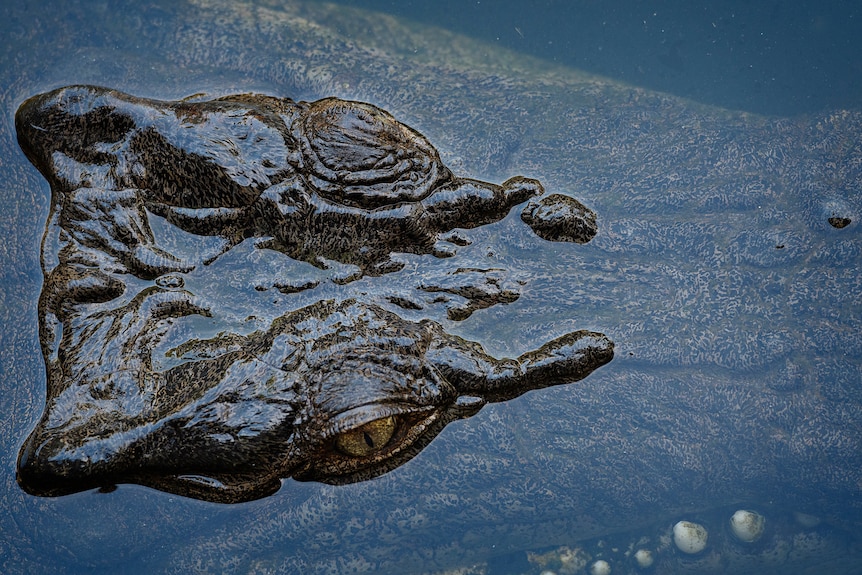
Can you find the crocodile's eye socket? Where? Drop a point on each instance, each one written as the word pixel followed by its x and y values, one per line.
pixel 366 439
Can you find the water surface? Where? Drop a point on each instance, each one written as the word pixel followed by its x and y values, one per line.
pixel 735 305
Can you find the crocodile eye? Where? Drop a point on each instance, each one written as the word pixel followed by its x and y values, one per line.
pixel 366 439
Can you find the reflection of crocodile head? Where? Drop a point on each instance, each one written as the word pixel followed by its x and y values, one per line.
pixel 327 180
pixel 333 392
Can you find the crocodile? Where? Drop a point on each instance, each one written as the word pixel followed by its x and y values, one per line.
pixel 718 270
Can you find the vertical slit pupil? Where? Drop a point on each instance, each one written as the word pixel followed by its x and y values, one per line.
pixel 368 441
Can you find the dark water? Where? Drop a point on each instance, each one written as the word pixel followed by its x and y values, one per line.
pixel 774 57
pixel 735 305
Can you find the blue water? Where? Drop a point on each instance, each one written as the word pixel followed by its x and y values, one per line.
pixel 772 57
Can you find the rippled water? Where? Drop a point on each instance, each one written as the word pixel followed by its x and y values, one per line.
pixel 734 303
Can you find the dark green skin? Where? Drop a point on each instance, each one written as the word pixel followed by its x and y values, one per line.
pixel 267 406
pixel 735 382
pixel 239 413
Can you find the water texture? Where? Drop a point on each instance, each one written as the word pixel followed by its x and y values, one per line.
pixel 718 271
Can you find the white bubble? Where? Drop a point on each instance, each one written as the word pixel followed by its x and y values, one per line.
pixel 644 558
pixel 748 526
pixel 690 537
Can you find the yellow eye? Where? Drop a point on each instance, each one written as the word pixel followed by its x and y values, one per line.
pixel 366 439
